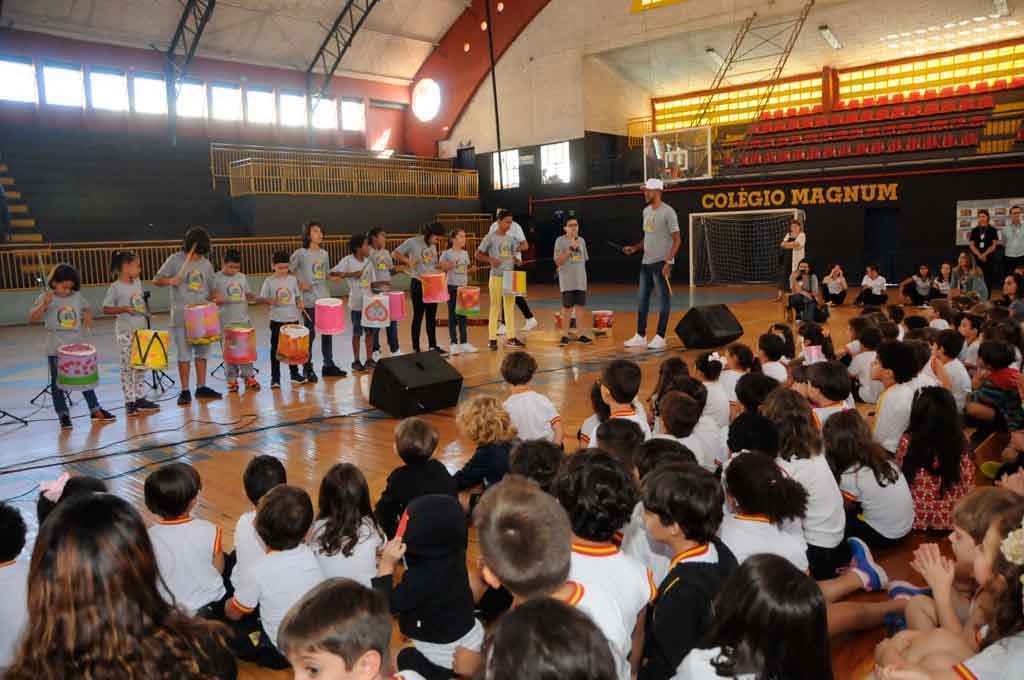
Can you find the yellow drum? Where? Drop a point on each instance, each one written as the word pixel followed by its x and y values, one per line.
pixel 149 349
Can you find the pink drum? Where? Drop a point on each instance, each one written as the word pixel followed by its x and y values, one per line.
pixel 202 323
pixel 435 288
pixel 77 367
pixel 239 345
pixel 330 316
pixel 396 304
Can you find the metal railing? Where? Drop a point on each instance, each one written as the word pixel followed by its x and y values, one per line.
pixel 26 268
pixel 223 155
pixel 316 178
pixel 636 128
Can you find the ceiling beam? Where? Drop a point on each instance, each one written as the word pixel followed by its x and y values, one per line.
pixel 336 43
pixel 194 17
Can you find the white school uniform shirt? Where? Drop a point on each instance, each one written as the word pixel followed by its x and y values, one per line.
pixel 728 381
pixel 711 441
pixel 776 370
pixel 825 521
pixel 629 586
pixel 969 354
pixel 748 535
pixel 939 324
pixel 1002 660
pixel 248 544
pixel 278 580
pixel 925 378
pixel 717 406
pixel 697 666
pixel 588 427
pixel 13 608
pixel 959 382
pixel 854 347
pixel 697 445
pixel 590 434
pixel 361 565
pixel 860 368
pixel 823 413
pixel 533 414
pixel 888 509
pixel 893 417
pixel 636 542
pixel 877 285
pixel 184 550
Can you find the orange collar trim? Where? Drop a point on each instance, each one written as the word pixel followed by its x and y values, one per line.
pixel 754 518
pixel 178 520
pixel 519 389
pixel 690 554
pixel 595 550
pixel 577 594
pixel 623 414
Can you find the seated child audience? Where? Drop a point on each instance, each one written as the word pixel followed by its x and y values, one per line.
pixel 856 326
pixel 947 368
pixel 276 581
pixel 683 510
pixel 619 384
pixel 786 333
pixel 433 601
pixel 711 437
pixel 421 474
pixel 345 536
pixel 262 474
pixel 828 390
pixel 598 494
pixel 879 509
pixel 708 369
pixel 532 413
pixel 970 329
pixel 601 413
pixel 739 359
pixel 65 488
pixel 538 461
pixel 764 596
pixel 679 414
pixel 189 552
pixel 670 372
pixel 945 315
pixel 483 421
pixel 815 343
pixel 338 631
pixel 996 397
pixel 894 367
pixel 865 388
pixel 750 429
pixel 771 349
pixel 620 438
pixel 13 582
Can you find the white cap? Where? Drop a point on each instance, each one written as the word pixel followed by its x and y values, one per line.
pixel 654 184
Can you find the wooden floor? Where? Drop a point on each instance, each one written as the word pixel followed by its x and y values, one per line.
pixel 312 427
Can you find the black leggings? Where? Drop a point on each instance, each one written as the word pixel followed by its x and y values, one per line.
pixel 523 306
pixel 866 297
pixel 419 307
pixel 910 290
pixel 835 298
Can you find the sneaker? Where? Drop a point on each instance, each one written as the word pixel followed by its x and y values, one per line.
pixel 530 325
pixel 376 355
pixel 146 406
pixel 232 386
pixel 185 398
pixel 584 340
pixel 904 590
pixel 637 341
pixel 657 343
pixel 370 365
pixel 275 384
pixel 501 329
pixel 332 372
pixel 102 416
pixel 515 342
pixel 565 340
pixel 311 378
pixel 492 345
pixel 863 563
pixel 297 378
pixel 454 349
pixel 131 410
pixel 65 422
pixel 358 366
pixel 467 348
pixel 252 385
pixel 204 392
pixel 895 623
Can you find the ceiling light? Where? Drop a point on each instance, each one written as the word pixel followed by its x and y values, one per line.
pixel 714 56
pixel 426 100
pixel 465 47
pixel 830 37
pixel 483 25
pixel 501 7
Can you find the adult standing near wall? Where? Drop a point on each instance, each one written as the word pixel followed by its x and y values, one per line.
pixel 517 231
pixel 1013 241
pixel 660 244
pixel 794 248
pixel 984 246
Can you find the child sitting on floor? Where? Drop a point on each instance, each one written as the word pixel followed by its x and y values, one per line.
pixel 894 367
pixel 670 372
pixel 538 461
pixel 619 384
pixel 533 415
pixel 13 582
pixel 708 369
pixel 345 536
pixel 262 474
pixel 750 429
pixel 483 421
pixel 770 349
pixel 739 359
pixel 600 414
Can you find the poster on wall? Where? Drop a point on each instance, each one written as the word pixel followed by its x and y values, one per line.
pixel 967 215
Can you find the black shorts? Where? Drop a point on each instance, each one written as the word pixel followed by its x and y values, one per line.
pixel 574 298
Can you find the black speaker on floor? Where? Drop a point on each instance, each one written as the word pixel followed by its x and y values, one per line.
pixel 417 383
pixel 708 326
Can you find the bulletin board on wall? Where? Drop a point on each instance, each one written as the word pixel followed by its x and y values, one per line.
pixel 967 215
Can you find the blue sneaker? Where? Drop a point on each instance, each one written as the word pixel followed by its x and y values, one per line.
pixel 895 623
pixel 874 577
pixel 904 590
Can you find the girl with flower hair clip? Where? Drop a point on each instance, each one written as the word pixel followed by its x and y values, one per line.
pixel 999 654
pixel 708 368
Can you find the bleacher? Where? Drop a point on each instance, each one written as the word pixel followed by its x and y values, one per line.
pixel 932 122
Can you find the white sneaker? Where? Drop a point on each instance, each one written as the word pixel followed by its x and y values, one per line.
pixel 530 324
pixel 657 343
pixel 501 329
pixel 454 349
pixel 637 341
pixel 375 356
pixel 468 348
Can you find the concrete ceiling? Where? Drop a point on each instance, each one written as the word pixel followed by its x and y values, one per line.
pixel 871 30
pixel 395 40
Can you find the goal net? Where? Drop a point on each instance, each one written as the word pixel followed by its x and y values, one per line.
pixel 678 155
pixel 738 247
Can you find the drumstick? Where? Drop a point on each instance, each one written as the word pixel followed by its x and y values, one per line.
pixel 188 258
pixel 403 524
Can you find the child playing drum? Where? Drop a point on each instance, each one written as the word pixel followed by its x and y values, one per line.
pixel 124 299
pixel 358 270
pixel 231 292
pixel 281 292
pixel 65 313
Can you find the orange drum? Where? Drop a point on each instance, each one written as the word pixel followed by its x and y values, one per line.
pixel 293 345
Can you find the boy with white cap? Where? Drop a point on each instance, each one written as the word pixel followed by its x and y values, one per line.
pixel 660 244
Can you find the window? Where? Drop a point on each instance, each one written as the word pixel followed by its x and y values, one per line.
pixel 191 99
pixel 226 102
pixel 259 106
pixel 293 110
pixel 64 86
pixel 509 170
pixel 325 114
pixel 426 100
pixel 109 90
pixel 554 164
pixel 353 115
pixel 150 94
pixel 19 81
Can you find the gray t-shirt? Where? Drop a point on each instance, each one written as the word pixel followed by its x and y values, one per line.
pixel 502 247
pixel 382 265
pixel 922 286
pixel 424 257
pixel 459 274
pixel 358 288
pixel 572 275
pixel 659 225
pixel 127 295
pixel 235 291
pixel 194 288
pixel 310 268
pixel 63 320
pixel 282 292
